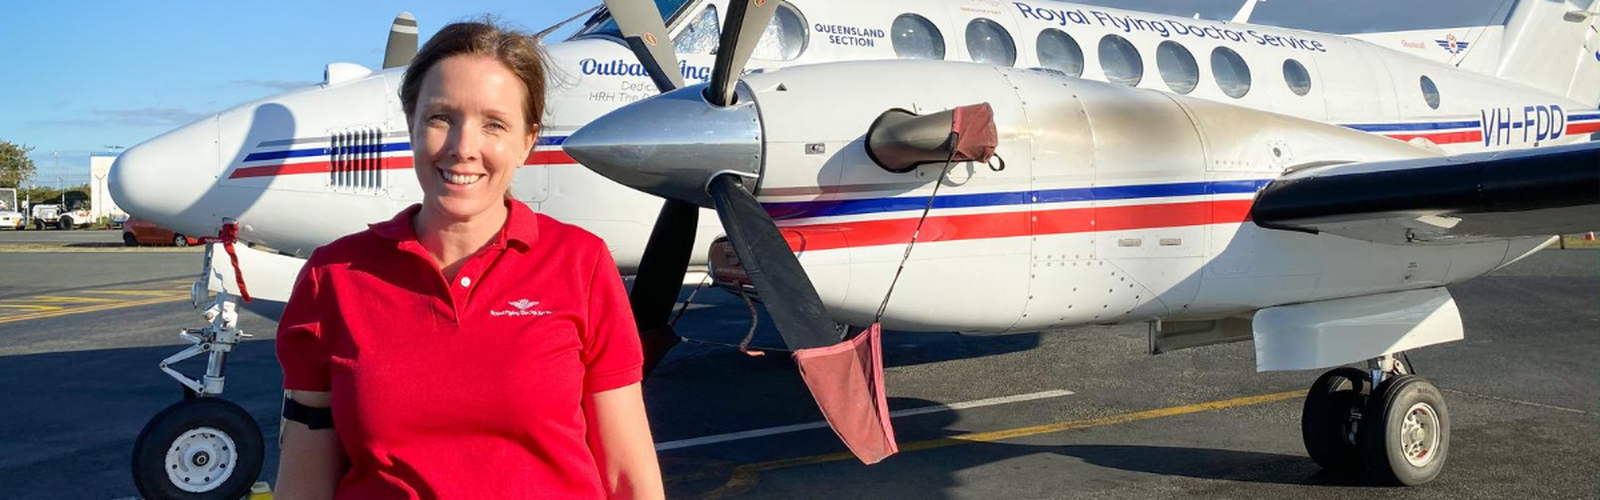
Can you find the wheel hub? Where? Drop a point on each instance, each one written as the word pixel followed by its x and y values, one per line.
pixel 201 459
pixel 1419 435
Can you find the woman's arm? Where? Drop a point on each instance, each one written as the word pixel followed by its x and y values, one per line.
pixel 628 454
pixel 310 462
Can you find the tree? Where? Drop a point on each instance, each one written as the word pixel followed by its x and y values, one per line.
pixel 15 165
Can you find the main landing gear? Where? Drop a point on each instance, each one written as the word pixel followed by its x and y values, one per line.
pixel 1397 432
pixel 203 446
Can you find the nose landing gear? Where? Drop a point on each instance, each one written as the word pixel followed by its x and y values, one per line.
pixel 1397 432
pixel 201 447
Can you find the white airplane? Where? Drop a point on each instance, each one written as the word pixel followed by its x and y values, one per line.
pixel 1220 181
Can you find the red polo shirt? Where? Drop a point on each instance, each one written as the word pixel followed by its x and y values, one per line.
pixel 470 387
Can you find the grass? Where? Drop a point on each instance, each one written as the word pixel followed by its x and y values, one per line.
pixel 1578 242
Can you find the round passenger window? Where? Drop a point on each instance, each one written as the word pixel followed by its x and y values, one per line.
pixel 1430 92
pixel 1232 75
pixel 1296 77
pixel 916 38
pixel 1120 61
pixel 1177 67
pixel 1058 51
pixel 785 38
pixel 988 43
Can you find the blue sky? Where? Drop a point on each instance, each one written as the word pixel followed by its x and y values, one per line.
pixel 82 76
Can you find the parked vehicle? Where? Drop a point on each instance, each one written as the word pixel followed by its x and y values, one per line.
pixel 11 219
pixel 137 232
pixel 52 215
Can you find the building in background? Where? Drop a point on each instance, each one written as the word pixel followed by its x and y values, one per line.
pixel 100 203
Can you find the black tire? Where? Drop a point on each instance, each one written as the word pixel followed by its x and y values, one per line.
pixel 1384 421
pixel 190 429
pixel 1325 420
pixel 179 240
pixel 64 223
pixel 38 224
pixel 129 240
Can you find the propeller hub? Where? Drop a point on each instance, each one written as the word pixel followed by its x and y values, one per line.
pixel 672 145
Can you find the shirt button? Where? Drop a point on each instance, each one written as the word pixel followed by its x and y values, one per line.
pixel 466 282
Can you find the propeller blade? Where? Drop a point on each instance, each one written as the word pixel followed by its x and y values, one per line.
pixel 747 20
pixel 844 377
pixel 661 271
pixel 796 309
pixel 402 41
pixel 646 35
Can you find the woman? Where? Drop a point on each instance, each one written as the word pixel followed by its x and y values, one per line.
pixel 467 348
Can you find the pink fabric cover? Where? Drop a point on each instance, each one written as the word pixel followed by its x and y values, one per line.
pixel 847 381
pixel 978 137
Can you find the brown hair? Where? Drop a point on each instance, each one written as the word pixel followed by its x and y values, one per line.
pixel 518 51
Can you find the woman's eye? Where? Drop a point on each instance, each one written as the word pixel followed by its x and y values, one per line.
pixel 440 119
pixel 497 126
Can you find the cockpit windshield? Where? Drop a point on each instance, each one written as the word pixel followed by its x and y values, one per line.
pixel 602 24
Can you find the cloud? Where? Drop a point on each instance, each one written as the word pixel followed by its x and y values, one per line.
pixel 132 117
pixel 273 84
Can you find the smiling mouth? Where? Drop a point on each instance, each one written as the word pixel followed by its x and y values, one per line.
pixel 459 179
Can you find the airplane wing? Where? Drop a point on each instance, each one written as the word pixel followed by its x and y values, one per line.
pixel 1449 199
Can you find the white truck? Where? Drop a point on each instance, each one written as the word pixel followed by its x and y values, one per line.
pixel 10 218
pixel 52 215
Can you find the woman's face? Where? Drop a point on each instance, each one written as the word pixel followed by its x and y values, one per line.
pixel 469 134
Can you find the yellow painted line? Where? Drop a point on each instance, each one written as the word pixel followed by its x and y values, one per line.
pixel 744 476
pixel 61 299
pixel 89 309
pixel 161 293
pixel 31 307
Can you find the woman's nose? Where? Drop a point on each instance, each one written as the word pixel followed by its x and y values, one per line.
pixel 463 145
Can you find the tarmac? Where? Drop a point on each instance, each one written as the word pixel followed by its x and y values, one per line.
pixel 1074 413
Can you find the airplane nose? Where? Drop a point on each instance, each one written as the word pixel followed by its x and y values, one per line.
pixel 162 178
pixel 672 145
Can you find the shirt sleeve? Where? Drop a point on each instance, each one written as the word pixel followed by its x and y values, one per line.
pixel 302 352
pixel 611 354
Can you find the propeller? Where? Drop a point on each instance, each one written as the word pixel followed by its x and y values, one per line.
pixel 747 20
pixel 645 34
pixel 699 147
pixel 402 41
pixel 791 300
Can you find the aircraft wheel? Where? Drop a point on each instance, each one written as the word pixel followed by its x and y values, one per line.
pixel 1327 422
pixel 201 448
pixel 1405 438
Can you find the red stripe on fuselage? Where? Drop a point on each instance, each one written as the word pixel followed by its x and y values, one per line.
pixel 550 157
pixel 1583 128
pixel 315 167
pixel 1443 137
pixel 829 236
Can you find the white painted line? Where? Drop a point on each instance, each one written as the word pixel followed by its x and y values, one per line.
pixel 785 429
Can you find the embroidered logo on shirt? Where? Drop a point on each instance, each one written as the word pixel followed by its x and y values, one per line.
pixel 523 309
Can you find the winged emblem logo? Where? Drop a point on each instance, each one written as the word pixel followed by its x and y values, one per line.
pixel 524 304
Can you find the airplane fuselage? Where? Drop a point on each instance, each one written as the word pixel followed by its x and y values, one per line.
pixel 1116 205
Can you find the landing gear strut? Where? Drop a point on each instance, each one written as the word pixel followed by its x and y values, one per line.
pixel 1396 430
pixel 202 446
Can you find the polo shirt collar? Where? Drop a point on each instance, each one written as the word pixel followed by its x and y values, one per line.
pixel 521 228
